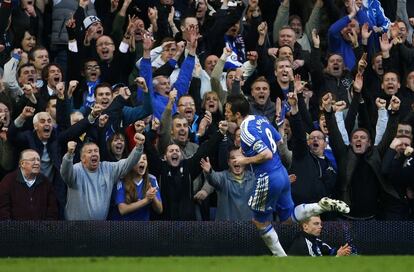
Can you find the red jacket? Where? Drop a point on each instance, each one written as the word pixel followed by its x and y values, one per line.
pixel 130 134
pixel 19 202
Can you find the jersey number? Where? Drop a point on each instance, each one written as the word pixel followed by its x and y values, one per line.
pixel 271 140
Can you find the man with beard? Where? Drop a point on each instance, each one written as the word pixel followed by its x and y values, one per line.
pixel 91 181
pixel 176 176
pixel 44 141
pixel 233 188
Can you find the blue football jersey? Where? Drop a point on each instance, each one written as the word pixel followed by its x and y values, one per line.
pixel 257 134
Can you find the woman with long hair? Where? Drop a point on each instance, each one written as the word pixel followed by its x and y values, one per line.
pixel 115 148
pixel 137 194
pixel 26 40
pixel 211 106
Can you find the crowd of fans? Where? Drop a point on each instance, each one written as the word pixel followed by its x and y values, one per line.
pixel 116 110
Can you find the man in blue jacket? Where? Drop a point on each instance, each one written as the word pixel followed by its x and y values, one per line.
pixel 160 87
pixel 339 35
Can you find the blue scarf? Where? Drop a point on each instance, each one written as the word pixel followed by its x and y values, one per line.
pixel 238 56
pixel 89 97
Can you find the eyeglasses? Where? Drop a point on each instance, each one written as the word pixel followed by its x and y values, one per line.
pixel 92 67
pixel 404 131
pixel 32 160
pixel 316 138
pixel 104 44
pixel 187 105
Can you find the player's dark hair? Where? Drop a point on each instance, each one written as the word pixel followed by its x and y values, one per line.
pixel 238 103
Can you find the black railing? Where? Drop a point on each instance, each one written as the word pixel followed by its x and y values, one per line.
pixel 159 238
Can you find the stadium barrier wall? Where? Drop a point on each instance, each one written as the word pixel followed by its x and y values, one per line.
pixel 162 238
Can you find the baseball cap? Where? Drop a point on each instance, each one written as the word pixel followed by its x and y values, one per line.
pixel 88 21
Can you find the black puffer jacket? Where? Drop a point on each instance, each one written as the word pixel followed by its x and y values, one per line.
pixel 312 181
pixel 347 162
